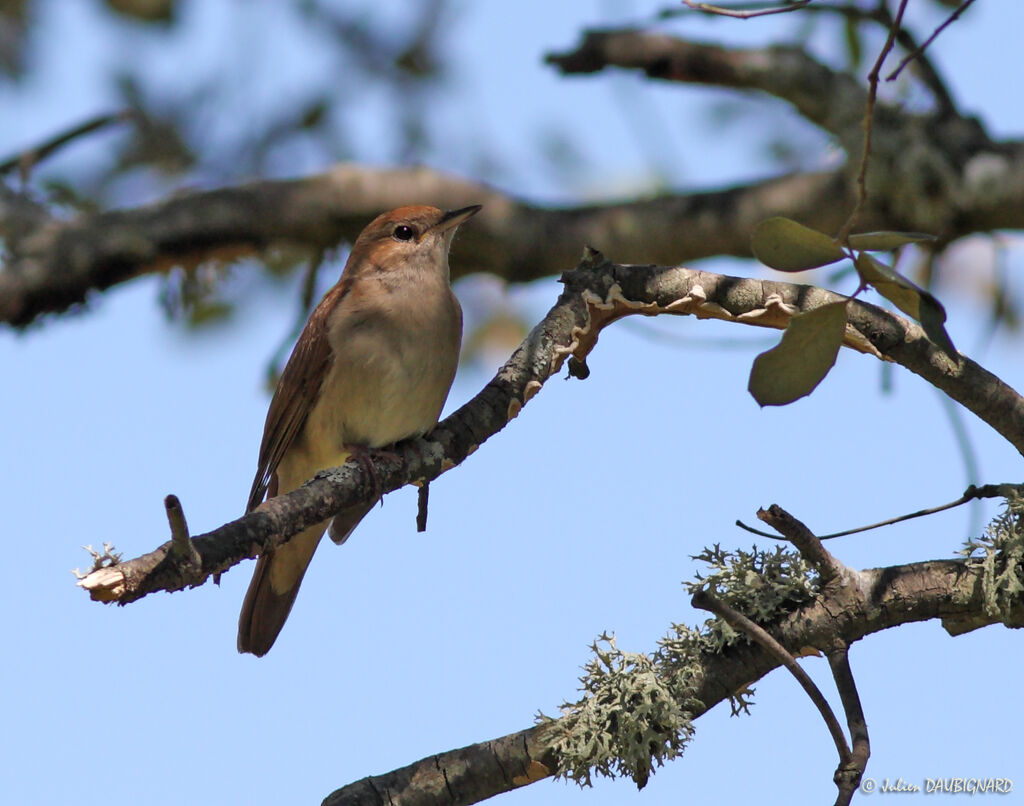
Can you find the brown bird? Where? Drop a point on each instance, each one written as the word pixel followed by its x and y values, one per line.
pixel 372 366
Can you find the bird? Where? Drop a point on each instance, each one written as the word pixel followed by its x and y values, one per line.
pixel 373 365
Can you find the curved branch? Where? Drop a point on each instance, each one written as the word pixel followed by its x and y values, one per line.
pixel 880 598
pixel 828 98
pixel 596 294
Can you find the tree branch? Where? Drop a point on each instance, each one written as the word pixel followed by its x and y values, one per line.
pixel 707 601
pixel 937 174
pixel 806 542
pixel 882 598
pixel 940 170
pixel 849 774
pixel 945 179
pixel 54 264
pixel 828 98
pixel 596 294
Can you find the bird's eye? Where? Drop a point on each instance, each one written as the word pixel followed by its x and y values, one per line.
pixel 403 233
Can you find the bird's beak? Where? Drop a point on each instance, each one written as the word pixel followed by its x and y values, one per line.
pixel 452 218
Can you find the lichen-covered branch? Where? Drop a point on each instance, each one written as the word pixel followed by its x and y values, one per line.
pixel 843 613
pixel 596 294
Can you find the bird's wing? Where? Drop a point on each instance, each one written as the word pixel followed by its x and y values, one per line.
pixel 296 394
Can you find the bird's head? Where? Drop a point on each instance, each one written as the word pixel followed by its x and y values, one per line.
pixel 415 237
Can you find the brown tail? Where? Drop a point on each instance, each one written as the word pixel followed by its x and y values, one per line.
pixel 345 521
pixel 273 589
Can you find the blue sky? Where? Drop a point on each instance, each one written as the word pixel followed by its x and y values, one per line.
pixel 579 517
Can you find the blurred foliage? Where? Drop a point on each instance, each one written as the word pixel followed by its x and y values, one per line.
pixel 14 21
pixel 181 131
pixel 183 128
pixel 207 117
pixel 145 10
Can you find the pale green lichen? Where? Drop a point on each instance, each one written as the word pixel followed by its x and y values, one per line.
pixel 632 716
pixel 636 709
pixel 760 584
pixel 1000 553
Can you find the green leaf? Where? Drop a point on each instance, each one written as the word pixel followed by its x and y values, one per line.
pixel 892 285
pixel 933 322
pixel 783 244
pixel 886 241
pixel 909 298
pixel 797 364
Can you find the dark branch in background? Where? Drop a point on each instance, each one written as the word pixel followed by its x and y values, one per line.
pixel 830 99
pixel 950 590
pixel 937 170
pixel 55 264
pixel 879 14
pixel 596 294
pixel 941 175
pixel 28 159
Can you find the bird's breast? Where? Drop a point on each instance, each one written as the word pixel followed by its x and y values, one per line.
pixel 390 372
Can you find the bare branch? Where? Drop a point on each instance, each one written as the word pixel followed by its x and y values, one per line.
pixel 28 159
pixel 867 125
pixel 740 623
pixel 596 294
pixel 848 775
pixel 828 98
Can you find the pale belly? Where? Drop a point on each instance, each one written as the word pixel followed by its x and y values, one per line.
pixel 376 395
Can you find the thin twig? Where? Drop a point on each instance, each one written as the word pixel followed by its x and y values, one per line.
pixel 707 601
pixel 928 72
pixel 869 111
pixel 28 159
pixel 848 776
pixel 970 494
pixel 756 11
pixel 917 52
pixel 422 499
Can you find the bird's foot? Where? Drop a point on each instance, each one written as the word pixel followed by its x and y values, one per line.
pixel 361 454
